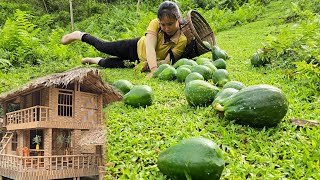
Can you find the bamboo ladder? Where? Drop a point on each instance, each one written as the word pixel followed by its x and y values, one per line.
pixel 5 140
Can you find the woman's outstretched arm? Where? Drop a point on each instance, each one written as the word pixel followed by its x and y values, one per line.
pixel 151 42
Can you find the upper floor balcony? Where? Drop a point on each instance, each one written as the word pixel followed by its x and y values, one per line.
pixel 44 117
pixel 32 114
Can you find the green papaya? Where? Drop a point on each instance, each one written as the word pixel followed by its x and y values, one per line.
pixel 193 76
pixel 180 62
pixel 159 70
pixel 203 70
pixel 223 95
pixel 193 158
pixel 185 66
pixel 259 58
pixel 200 93
pixel 124 86
pixel 139 95
pixel 220 77
pixel 234 84
pixel 168 74
pixel 182 73
pixel 207 45
pixel 210 65
pixel 191 62
pixel 220 64
pixel 257 106
pixel 200 61
pixel 217 53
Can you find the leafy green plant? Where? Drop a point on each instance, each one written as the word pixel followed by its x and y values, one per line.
pixel 308 74
pixel 302 10
pixel 25 44
pixel 4 64
pixel 63 140
pixel 36 140
pixel 20 35
pixel 222 19
pixel 8 9
pixel 298 42
pixel 60 140
pixel 138 66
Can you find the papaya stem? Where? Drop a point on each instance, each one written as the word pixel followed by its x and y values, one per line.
pixel 218 107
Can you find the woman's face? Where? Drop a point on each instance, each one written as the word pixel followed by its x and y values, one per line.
pixel 169 25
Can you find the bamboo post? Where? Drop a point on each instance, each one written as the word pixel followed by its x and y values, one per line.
pixel 45 6
pixel 71 15
pixel 138 3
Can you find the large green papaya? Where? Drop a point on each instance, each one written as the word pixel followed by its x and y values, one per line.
pixel 256 106
pixel 201 60
pixel 220 64
pixel 210 65
pixel 193 158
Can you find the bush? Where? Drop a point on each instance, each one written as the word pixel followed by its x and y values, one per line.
pixel 297 43
pixel 296 49
pixel 223 19
pixel 302 10
pixel 8 9
pixel 226 4
pixel 309 76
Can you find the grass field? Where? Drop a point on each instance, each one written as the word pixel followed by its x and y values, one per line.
pixel 137 135
pixel 285 152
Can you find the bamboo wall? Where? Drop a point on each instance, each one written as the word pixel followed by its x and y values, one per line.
pixel 86 109
pixel 45 97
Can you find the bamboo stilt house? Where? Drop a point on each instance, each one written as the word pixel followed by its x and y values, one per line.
pixel 49 125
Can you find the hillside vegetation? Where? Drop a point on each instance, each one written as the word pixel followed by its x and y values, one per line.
pixel 29 48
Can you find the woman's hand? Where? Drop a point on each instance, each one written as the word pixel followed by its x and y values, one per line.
pixel 149 75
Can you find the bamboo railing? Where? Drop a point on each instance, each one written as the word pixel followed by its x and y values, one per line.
pixel 49 163
pixel 32 114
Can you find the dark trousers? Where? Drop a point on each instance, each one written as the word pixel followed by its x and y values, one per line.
pixel 123 50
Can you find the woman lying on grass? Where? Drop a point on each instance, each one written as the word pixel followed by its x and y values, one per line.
pixel 163 41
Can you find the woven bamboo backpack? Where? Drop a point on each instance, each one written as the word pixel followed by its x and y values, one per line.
pixel 197 30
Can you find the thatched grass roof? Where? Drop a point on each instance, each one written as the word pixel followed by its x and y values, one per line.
pixel 93 137
pixel 89 78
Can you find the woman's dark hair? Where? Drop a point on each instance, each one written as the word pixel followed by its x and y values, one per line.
pixel 169 9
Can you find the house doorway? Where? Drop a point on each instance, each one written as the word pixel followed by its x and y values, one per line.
pixel 61 142
pixel 34 133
